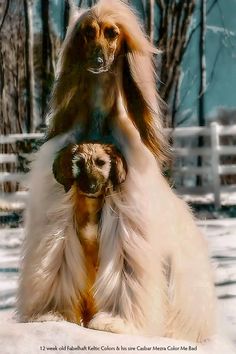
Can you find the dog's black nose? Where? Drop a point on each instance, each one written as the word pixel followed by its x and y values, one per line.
pixel 99 61
pixel 92 187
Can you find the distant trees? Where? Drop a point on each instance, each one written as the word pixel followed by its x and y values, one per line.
pixel 28 80
pixel 29 51
pixel 13 108
pixel 15 83
pixel 173 38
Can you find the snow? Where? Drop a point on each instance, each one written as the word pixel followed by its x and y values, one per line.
pixel 13 138
pixel 59 337
pixel 27 338
pixel 227 198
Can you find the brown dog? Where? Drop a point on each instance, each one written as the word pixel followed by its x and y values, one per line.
pixel 106 54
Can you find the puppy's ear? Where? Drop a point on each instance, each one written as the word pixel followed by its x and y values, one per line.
pixel 118 166
pixel 62 167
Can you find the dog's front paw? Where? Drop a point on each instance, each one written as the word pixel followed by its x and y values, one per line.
pixel 49 316
pixel 106 322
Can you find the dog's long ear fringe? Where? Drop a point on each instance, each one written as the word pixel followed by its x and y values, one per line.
pixel 142 103
pixel 62 167
pixel 118 167
pixel 139 80
pixel 74 12
pixel 128 21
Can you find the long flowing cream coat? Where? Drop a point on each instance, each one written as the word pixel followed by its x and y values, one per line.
pixel 154 275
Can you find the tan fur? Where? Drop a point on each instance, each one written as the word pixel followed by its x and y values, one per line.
pixel 86 213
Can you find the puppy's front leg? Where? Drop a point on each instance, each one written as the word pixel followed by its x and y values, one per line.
pixel 49 316
pixel 104 321
pixel 121 293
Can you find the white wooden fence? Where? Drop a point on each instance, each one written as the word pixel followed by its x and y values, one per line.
pixel 213 152
pixel 215 169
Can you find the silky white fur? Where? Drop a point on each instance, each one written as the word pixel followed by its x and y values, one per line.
pixel 52 269
pixel 154 275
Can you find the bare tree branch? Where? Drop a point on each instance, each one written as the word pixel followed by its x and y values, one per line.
pixel 161 4
pixel 47 63
pixel 71 3
pixel 5 14
pixel 66 16
pixel 151 19
pixel 202 86
pixel 214 65
pixel 29 64
pixel 172 40
pixel 198 25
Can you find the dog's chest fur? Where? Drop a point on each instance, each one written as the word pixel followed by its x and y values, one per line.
pixel 87 215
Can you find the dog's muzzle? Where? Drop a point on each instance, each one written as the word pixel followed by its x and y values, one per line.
pixel 89 187
pixel 98 66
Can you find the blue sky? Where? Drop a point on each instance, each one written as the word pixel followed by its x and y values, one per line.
pixel 220 63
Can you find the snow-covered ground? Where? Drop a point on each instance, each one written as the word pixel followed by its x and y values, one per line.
pixel 221 235
pixel 226 198
pixel 61 337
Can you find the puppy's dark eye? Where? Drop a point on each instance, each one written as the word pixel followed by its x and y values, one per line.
pixel 100 162
pixel 90 32
pixel 80 163
pixel 111 33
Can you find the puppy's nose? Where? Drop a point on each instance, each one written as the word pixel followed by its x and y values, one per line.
pixel 92 187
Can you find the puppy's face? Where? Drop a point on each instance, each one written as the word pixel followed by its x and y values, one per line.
pixel 92 167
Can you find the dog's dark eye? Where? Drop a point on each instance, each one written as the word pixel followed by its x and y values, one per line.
pixel 111 33
pixel 80 162
pixel 100 162
pixel 90 32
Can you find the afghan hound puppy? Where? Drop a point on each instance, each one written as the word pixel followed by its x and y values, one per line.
pixel 154 275
pixel 92 171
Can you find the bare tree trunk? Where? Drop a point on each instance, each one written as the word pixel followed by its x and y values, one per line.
pixel 13 103
pixel 176 98
pixel 47 64
pixel 2 83
pixel 66 17
pixel 202 55
pixel 4 13
pixel 29 68
pixel 151 19
pixel 202 86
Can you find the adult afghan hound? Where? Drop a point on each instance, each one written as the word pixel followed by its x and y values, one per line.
pixel 154 275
